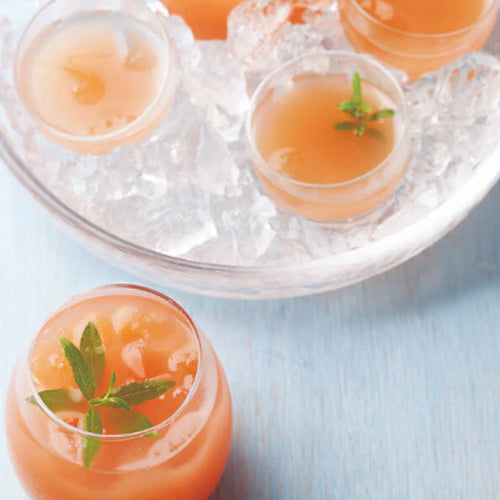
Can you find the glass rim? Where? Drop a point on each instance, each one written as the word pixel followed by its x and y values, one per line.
pixel 429 36
pixel 78 298
pixel 154 7
pixel 258 95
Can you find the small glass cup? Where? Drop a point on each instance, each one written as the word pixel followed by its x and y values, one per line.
pixel 414 53
pixel 343 200
pixel 151 16
pixel 184 461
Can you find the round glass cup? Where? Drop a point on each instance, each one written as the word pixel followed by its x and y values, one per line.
pixel 344 200
pixel 152 15
pixel 414 53
pixel 184 462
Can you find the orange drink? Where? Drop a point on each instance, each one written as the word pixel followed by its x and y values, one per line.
pixel 207 18
pixel 95 79
pixel 328 136
pixel 418 35
pixel 120 397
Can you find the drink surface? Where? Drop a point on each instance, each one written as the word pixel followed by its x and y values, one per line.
pixel 143 340
pixel 426 16
pixel 93 74
pixel 207 18
pixel 293 130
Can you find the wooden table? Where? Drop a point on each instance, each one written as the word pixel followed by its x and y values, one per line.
pixel 386 390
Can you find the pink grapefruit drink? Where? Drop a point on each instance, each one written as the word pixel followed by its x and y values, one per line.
pixel 155 423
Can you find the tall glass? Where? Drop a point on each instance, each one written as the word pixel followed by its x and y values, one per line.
pixel 184 462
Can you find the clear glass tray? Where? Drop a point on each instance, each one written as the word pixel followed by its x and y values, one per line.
pixel 184 210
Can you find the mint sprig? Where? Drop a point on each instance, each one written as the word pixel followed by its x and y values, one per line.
pixel 81 369
pixel 109 401
pixel 88 364
pixel 58 399
pixel 92 423
pixel 126 422
pixel 139 392
pixel 93 351
pixel 360 110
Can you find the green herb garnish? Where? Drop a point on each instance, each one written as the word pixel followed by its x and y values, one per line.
pixel 88 364
pixel 93 351
pixel 360 111
pixel 58 399
pixel 92 422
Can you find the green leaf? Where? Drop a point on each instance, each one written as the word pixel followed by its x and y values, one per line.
pixel 127 422
pixel 345 126
pixel 361 128
pixel 112 383
pixel 110 403
pixel 81 370
pixel 93 351
pixel 348 106
pixel 366 107
pixel 357 93
pixel 139 392
pixel 56 400
pixel 375 133
pixel 90 445
pixel 383 113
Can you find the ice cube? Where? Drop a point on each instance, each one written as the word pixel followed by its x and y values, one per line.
pixel 184 356
pixel 178 434
pixel 184 389
pixel 216 82
pixel 121 41
pixel 63 442
pixel 254 29
pixel 123 317
pixel 470 88
pixel 180 33
pixel 141 56
pixel 80 325
pixel 216 169
pixel 132 356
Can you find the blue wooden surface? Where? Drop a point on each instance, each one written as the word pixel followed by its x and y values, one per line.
pixel 385 390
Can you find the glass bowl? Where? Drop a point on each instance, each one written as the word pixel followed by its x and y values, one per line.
pixel 278 255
